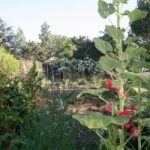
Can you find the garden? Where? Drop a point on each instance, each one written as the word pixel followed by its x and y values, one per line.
pixel 77 93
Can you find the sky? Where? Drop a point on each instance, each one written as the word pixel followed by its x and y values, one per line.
pixel 65 17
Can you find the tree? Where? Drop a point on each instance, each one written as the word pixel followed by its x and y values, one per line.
pixel 8 64
pixel 54 45
pixel 117 115
pixel 21 42
pixel 2 32
pixel 66 49
pixel 85 48
pixel 8 38
pixel 45 45
pixel 32 51
pixel 44 36
pixel 142 27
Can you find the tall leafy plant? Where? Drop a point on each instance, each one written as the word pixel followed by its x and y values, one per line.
pixel 121 116
pixel 17 100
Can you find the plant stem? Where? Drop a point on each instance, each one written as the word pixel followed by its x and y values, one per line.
pixel 119 43
pixel 118 15
pixel 139 121
pixel 121 96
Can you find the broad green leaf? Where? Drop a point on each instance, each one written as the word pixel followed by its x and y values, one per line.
pixel 105 9
pixel 120 1
pixel 115 33
pixel 133 52
pixel 102 45
pixel 139 65
pixel 108 63
pixel 147 138
pixel 96 120
pixel 146 122
pixel 143 90
pixel 131 40
pixel 132 76
pixel 95 92
pixel 136 14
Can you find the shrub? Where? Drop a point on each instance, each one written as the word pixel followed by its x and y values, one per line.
pixel 9 65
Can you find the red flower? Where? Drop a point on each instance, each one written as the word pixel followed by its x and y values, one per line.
pixel 117 90
pixel 129 124
pixel 108 108
pixel 126 95
pixel 134 107
pixel 125 112
pixel 102 108
pixel 109 84
pixel 134 132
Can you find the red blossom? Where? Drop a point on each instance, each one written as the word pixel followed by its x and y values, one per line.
pixel 125 112
pixel 108 108
pixel 102 108
pixel 129 124
pixel 134 132
pixel 117 90
pixel 134 107
pixel 109 84
pixel 126 95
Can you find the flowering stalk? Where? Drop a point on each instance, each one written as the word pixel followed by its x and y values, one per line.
pixel 139 120
pixel 122 99
pixel 119 43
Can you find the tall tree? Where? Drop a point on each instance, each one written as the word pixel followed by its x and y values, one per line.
pixel 7 37
pixel 32 51
pixel 45 46
pixel 85 48
pixel 21 42
pixel 2 32
pixel 66 48
pixel 45 33
pixel 142 27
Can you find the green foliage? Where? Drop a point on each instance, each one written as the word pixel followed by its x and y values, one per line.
pixel 67 48
pixel 121 55
pixel 32 82
pixel 17 99
pixel 108 64
pixel 9 65
pixel 49 128
pixel 85 48
pixel 133 52
pixel 136 14
pixel 96 92
pixel 132 76
pixel 73 67
pixel 105 9
pixel 8 38
pixel 141 27
pixel 120 1
pixel 103 46
pixel 45 33
pixel 115 33
pixel 31 50
pixel 82 82
pixel 97 120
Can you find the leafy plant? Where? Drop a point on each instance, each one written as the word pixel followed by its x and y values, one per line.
pixel 48 128
pixel 9 65
pixel 118 95
pixel 17 99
